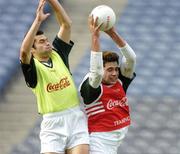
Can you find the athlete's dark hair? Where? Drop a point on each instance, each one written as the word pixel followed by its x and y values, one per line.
pixel 109 56
pixel 39 32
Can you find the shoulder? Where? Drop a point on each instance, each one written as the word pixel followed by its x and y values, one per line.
pixel 60 45
pixel 88 93
pixel 126 81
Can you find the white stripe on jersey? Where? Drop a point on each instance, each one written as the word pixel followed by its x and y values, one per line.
pixel 96 112
pixel 93 104
pixel 94 109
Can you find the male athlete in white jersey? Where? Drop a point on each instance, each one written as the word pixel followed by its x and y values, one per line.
pixel 104 92
pixel 46 71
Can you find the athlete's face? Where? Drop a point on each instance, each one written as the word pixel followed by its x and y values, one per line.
pixel 111 73
pixel 42 45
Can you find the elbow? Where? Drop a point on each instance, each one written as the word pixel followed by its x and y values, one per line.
pixel 22 53
pixel 67 24
pixel 132 63
pixel 95 79
pixel 132 59
pixel 101 73
pixel 24 56
pixel 133 56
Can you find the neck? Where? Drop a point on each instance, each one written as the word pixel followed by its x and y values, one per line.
pixel 108 83
pixel 44 58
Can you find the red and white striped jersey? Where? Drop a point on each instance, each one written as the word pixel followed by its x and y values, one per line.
pixel 110 111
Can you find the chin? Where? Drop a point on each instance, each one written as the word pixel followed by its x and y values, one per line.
pixel 49 51
pixel 112 83
pixel 109 83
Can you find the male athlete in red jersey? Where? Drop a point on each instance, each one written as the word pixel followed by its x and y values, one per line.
pixel 104 92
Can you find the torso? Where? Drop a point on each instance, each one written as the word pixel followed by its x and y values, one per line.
pixel 110 111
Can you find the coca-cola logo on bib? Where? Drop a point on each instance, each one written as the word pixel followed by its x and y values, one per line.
pixel 115 103
pixel 63 83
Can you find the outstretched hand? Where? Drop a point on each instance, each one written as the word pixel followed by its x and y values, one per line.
pixel 93 25
pixel 95 31
pixel 40 15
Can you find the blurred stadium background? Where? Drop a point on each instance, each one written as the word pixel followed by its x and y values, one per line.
pixel 150 26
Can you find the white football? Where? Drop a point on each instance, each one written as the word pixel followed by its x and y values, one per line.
pixel 105 15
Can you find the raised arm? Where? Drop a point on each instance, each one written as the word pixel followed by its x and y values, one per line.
pixel 25 50
pixel 96 62
pixel 129 57
pixel 63 20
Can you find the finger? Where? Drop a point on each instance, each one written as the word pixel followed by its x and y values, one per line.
pixel 41 4
pixel 99 26
pixel 47 15
pixel 91 20
pixel 96 21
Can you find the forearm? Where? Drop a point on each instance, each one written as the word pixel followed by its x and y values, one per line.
pixel 60 13
pixel 95 45
pixel 96 60
pixel 129 56
pixel 128 53
pixel 117 39
pixel 96 69
pixel 28 41
pixel 128 61
pixel 63 20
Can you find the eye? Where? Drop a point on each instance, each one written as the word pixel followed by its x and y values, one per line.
pixel 117 69
pixel 110 69
pixel 41 41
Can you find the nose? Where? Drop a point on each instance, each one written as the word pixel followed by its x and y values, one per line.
pixel 48 43
pixel 114 72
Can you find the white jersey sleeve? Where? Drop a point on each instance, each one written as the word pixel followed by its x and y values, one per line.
pixel 96 69
pixel 128 63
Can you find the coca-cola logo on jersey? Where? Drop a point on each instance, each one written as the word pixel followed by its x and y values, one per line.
pixel 115 103
pixel 63 83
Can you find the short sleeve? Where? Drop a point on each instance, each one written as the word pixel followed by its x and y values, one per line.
pixel 63 49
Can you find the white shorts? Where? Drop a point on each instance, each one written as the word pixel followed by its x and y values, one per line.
pixel 106 142
pixel 63 130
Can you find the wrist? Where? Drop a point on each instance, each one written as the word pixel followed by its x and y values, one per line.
pixel 95 36
pixel 37 21
pixel 112 34
pixel 118 40
pixel 95 44
pixel 95 39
